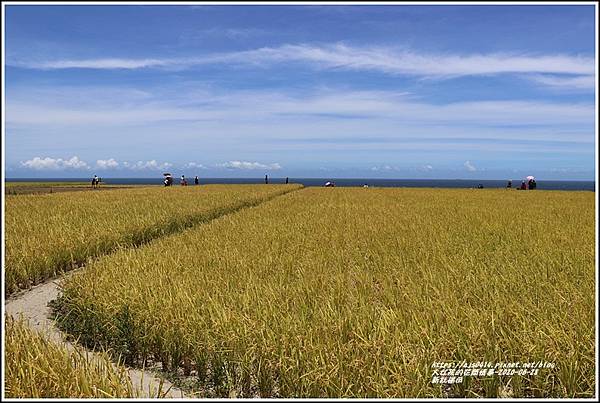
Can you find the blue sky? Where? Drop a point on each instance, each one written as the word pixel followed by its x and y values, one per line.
pixel 488 92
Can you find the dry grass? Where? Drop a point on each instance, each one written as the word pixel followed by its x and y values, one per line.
pixel 355 292
pixel 47 234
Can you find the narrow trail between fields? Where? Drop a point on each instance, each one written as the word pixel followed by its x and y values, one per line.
pixel 32 306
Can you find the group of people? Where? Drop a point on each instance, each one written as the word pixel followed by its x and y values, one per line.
pixel 95 182
pixel 287 180
pixel 168 181
pixel 530 184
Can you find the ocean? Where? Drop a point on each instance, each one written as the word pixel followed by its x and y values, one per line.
pixel 419 183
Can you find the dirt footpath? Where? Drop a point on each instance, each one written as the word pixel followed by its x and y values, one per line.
pixel 32 305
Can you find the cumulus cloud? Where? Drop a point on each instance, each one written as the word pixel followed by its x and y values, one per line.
pixel 469 166
pixel 192 165
pixel 55 164
pixel 107 164
pixel 151 165
pixel 249 165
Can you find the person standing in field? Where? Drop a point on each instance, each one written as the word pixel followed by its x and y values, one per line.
pixel 523 185
pixel 287 180
pixel 94 182
pixel 196 180
pixel 182 180
pixel 266 179
pixel 509 184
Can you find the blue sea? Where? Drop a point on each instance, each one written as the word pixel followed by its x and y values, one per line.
pixel 420 183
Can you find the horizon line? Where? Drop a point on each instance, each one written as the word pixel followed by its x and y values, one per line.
pixel 6 179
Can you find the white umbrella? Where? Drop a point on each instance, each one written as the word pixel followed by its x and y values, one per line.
pixel 530 177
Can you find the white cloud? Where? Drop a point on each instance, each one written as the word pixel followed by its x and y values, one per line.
pixel 249 165
pixel 587 82
pixel 375 58
pixel 386 168
pixel 470 167
pixel 29 108
pixel 231 33
pixel 321 120
pixel 55 164
pixel 151 165
pixel 103 64
pixel 425 168
pixel 48 163
pixel 192 165
pixel 393 61
pixel 107 164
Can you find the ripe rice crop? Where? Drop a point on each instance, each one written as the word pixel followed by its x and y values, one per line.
pixel 356 292
pixel 20 188
pixel 47 234
pixel 38 368
pixel 17 185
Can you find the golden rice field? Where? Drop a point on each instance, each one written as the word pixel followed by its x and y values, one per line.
pixel 352 292
pixel 17 185
pixel 38 368
pixel 19 188
pixel 47 234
